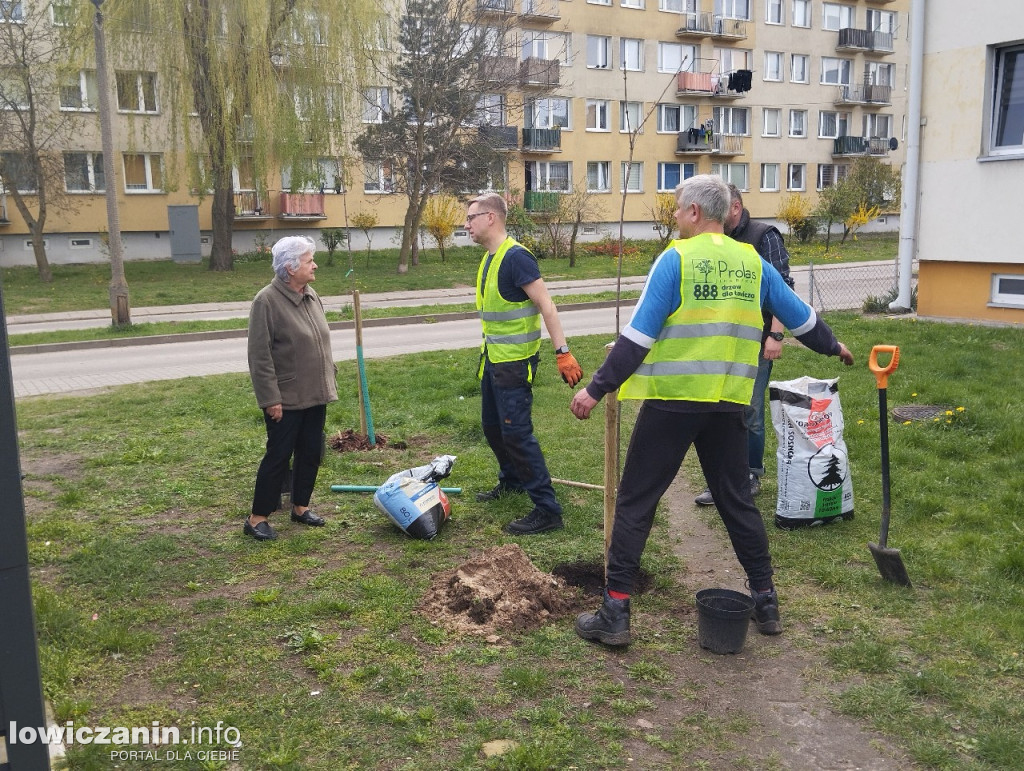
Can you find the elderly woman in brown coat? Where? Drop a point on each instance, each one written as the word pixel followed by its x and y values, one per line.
pixel 293 375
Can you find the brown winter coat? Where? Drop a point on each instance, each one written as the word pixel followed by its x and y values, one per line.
pixel 290 359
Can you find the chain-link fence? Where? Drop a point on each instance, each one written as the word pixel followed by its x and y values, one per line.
pixel 846 286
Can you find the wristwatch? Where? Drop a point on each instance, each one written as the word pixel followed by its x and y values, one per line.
pixel 562 349
pixel 777 336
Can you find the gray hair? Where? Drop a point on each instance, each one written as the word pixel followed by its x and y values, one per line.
pixel 709 192
pixel 735 194
pixel 288 253
pixel 494 202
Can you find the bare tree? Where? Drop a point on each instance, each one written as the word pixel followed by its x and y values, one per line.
pixel 565 218
pixel 34 65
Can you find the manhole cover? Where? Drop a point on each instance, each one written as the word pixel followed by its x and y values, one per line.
pixel 919 411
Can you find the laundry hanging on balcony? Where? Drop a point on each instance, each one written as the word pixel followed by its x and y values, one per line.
pixel 740 81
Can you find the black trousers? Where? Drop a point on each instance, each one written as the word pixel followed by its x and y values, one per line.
pixel 299 433
pixel 657 447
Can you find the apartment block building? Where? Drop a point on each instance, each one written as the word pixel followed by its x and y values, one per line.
pixel 611 96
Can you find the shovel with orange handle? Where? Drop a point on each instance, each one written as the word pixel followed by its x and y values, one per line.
pixel 890 563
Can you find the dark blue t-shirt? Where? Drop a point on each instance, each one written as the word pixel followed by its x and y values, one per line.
pixel 517 269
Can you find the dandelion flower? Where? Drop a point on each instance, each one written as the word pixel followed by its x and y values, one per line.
pixel 949 412
pixel 949 421
pixel 860 422
pixel 906 422
pixel 959 409
pixel 914 395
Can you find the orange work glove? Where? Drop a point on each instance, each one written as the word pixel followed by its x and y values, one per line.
pixel 569 368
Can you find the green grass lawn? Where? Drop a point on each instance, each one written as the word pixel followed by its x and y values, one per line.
pixel 151 605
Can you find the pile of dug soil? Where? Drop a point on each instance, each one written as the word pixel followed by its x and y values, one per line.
pixel 497 591
pixel 349 441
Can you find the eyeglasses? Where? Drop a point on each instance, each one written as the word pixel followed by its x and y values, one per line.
pixel 471 217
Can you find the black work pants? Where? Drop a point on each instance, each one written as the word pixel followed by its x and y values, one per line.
pixel 299 433
pixel 657 447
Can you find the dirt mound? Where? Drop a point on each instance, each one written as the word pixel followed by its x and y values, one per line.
pixel 497 591
pixel 349 441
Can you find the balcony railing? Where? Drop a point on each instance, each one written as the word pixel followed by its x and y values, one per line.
pixel 500 137
pixel 537 202
pixel 500 7
pixel 302 206
pixel 711 25
pixel 846 145
pixel 539 72
pixel 249 204
pixel 865 40
pixel 864 94
pixel 694 83
pixel 700 142
pixel 735 29
pixel 542 11
pixel 728 144
pixel 499 69
pixel 542 140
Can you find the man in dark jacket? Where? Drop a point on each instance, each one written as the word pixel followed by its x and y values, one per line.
pixel 767 240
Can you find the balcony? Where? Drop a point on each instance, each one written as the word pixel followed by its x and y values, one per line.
pixel 495 7
pixel 694 83
pixel 694 25
pixel 711 25
pixel 249 205
pixel 847 146
pixel 728 29
pixel 542 73
pixel 540 11
pixel 499 137
pixel 694 142
pixel 864 40
pixel 537 202
pixel 499 70
pixel 866 94
pixel 542 140
pixel 302 207
pixel 728 144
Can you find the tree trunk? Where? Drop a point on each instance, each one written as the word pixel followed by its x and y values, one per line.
pixel 572 240
pixel 39 250
pixel 221 256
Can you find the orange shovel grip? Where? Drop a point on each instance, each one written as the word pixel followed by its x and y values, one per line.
pixel 882 373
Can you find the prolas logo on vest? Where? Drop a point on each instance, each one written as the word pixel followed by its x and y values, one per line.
pixel 724 283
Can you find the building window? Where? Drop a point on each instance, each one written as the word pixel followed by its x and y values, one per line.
pixel 597 115
pixel 136 91
pixel 836 17
pixel 835 72
pixel 631 52
pixel 831 173
pixel 833 124
pixel 11 10
pixel 675 57
pixel 143 173
pixel 600 2
pixel 1008 290
pixel 633 4
pixel 16 173
pixel 376 104
pixel 772 122
pixel 490 110
pixel 629 116
pixel 877 126
pixel 553 176
pixel 632 177
pixel 62 13
pixel 878 74
pixel 678 6
pixel 797 177
pixel 881 21
pixel 798 68
pixel 733 120
pixel 83 173
pixel 13 88
pixel 735 173
pixel 671 174
pixel 547 46
pixel 379 177
pixel 801 13
pixel 547 113
pixel 733 9
pixel 798 123
pixel 599 176
pixel 78 92
pixel 1008 100
pixel 599 52
pixel 769 177
pixel 673 118
pixel 732 59
pixel 773 65
pixel 773 12
pixel 314 175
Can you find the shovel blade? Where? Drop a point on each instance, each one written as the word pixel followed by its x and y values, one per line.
pixel 890 564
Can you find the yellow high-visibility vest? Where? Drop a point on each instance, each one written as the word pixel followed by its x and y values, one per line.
pixel 511 330
pixel 707 350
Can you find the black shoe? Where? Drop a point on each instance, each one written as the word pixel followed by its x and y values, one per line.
pixel 308 518
pixel 537 521
pixel 261 532
pixel 498 491
pixel 705 498
pixel 766 612
pixel 610 625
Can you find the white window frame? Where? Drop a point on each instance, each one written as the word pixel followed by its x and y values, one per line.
pixel 153 167
pixel 65 18
pixel 376 104
pixel 735 173
pixel 1005 299
pixel 774 12
pixel 12 80
pixel 841 121
pixel 685 117
pixel 773 64
pixel 631 54
pixel 769 177
pixel 732 121
pixel 836 173
pixel 804 67
pixel 880 74
pixel 378 177
pixel 877 125
pixel 878 20
pixel 686 170
pixel 801 14
pixel 542 176
pixel 798 117
pixel 12 12
pixel 681 53
pixel 639 4
pixel 145 85
pixel 734 9
pixel 635 182
pixel 678 6
pixel 93 170
pixel 330 175
pixel 598 115
pixel 771 122
pixel 599 2
pixel 843 69
pixel 87 92
pixel 836 16
pixel 548 113
pixel 599 52
pixel 599 176
pixel 625 108
pixel 796 177
pixel 1004 106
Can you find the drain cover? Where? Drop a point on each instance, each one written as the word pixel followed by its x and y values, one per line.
pixel 919 411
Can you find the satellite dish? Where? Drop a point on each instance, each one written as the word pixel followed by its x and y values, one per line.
pixel 893 143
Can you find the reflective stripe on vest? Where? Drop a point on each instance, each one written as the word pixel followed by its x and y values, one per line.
pixel 511 330
pixel 707 350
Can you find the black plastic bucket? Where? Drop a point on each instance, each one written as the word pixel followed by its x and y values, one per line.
pixel 723 617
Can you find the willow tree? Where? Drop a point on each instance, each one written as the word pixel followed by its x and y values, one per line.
pixel 247 87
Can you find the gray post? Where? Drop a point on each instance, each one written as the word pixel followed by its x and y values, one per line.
pixel 810 283
pixel 21 693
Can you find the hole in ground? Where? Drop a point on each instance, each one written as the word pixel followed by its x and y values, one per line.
pixel 589 576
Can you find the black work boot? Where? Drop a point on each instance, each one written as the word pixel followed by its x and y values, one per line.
pixel 610 625
pixel 537 521
pixel 766 612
